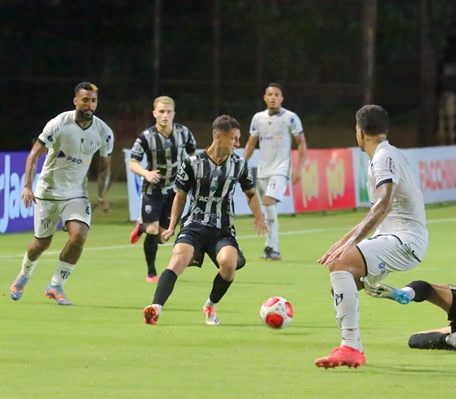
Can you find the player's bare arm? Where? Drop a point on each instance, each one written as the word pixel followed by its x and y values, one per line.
pixel 302 148
pixel 176 212
pixel 104 176
pixel 250 147
pixel 38 150
pixel 254 205
pixel 152 176
pixel 376 215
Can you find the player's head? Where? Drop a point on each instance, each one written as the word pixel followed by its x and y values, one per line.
pixel 85 100
pixel 273 97
pixel 163 111
pixel 226 132
pixel 371 121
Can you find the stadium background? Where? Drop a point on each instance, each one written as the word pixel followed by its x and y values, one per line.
pixel 216 56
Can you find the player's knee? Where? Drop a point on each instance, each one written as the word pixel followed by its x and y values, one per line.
pixel 423 290
pixel 41 244
pixel 240 261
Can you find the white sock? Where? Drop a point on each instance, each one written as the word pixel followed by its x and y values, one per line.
pixel 210 303
pixel 28 266
pixel 346 303
pixel 273 227
pixel 410 291
pixel 62 273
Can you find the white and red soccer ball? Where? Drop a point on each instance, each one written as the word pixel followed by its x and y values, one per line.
pixel 276 312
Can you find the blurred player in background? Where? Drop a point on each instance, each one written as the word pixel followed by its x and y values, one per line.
pixel 211 177
pixel 166 145
pixel 397 216
pixel 274 127
pixel 70 141
pixel 441 295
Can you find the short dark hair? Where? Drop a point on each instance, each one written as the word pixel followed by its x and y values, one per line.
pixel 372 119
pixel 85 86
pixel 274 85
pixel 225 124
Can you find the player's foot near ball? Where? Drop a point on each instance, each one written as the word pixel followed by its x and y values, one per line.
pixel 342 356
pixel 151 314
pixel 135 234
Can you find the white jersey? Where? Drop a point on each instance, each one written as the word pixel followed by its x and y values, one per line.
pixel 71 148
pixel 407 218
pixel 274 132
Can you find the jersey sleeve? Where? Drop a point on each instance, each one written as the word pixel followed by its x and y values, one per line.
pixel 295 125
pixel 108 143
pixel 190 145
pixel 185 176
pixel 139 148
pixel 254 127
pixel 50 133
pixel 246 178
pixel 385 169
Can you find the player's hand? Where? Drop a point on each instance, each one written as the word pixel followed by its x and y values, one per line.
pixel 103 204
pixel 339 252
pixel 295 176
pixel 28 197
pixel 331 250
pixel 167 234
pixel 152 176
pixel 261 227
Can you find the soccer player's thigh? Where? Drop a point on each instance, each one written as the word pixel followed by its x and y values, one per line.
pixel 276 187
pixel 191 239
pixel 46 218
pixel 151 211
pixel 79 210
pixel 167 205
pixel 224 252
pixel 383 255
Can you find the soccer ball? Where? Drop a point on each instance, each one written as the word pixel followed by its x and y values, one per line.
pixel 276 312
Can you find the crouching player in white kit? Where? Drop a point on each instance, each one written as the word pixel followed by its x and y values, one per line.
pixel 400 241
pixel 70 141
pixel 274 127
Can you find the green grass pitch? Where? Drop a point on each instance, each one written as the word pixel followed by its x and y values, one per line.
pixel 101 348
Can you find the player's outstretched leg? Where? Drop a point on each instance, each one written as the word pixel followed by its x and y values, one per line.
pixel 388 292
pixel 56 292
pixel 151 314
pixel 17 288
pixel 136 234
pixel 342 356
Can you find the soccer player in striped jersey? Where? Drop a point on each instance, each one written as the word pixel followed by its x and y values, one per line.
pixel 275 127
pixel 166 145
pixel 70 140
pixel 211 177
pixel 441 295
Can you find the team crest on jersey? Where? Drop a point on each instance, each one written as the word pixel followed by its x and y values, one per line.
pixel 390 165
pixel 148 209
pixel 49 138
pixel 382 267
pixel 94 144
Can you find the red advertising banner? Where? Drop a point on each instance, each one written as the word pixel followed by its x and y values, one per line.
pixel 327 181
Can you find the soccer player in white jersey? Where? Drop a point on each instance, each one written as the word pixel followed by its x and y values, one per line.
pixel 275 128
pixel 400 241
pixel 70 140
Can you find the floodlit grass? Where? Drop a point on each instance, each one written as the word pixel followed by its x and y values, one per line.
pixel 101 348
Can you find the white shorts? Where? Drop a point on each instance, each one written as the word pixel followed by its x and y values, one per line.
pixel 274 187
pixel 384 254
pixel 47 213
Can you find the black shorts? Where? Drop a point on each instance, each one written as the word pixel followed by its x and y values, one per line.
pixel 206 240
pixel 452 312
pixel 157 207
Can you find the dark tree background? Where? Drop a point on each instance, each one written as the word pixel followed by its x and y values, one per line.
pixel 313 48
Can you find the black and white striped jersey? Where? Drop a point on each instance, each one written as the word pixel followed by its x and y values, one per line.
pixel 164 154
pixel 212 188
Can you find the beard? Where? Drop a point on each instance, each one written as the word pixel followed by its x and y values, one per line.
pixel 84 115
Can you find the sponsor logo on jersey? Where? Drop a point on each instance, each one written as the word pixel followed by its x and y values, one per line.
pixel 390 165
pixel 49 138
pixel 382 267
pixel 202 198
pixel 78 161
pixel 271 138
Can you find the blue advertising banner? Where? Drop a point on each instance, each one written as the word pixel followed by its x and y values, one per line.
pixel 14 216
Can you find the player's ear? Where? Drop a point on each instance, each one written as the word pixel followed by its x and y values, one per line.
pixel 75 101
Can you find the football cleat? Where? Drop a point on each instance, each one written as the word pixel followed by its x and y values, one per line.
pixel 388 292
pixel 17 288
pixel 151 314
pixel 153 279
pixel 56 292
pixel 211 316
pixel 269 253
pixel 342 356
pixel 135 234
pixel 451 340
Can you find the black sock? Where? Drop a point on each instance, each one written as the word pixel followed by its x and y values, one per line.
pixel 165 287
pixel 219 288
pixel 150 250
